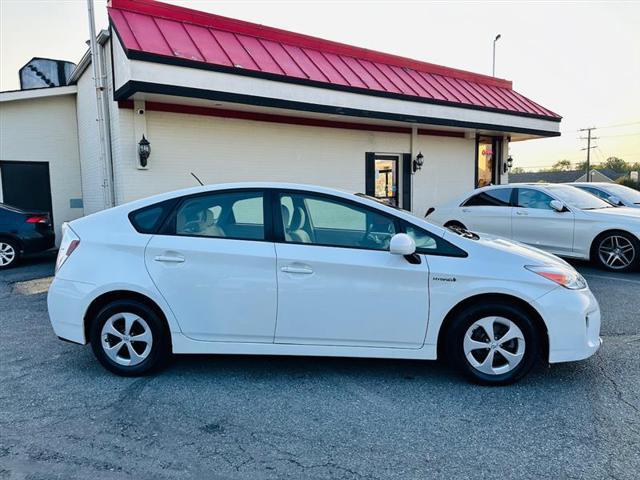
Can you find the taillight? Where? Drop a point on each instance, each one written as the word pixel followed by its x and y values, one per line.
pixel 38 219
pixel 70 242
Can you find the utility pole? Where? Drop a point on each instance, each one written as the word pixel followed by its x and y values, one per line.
pixel 493 70
pixel 588 138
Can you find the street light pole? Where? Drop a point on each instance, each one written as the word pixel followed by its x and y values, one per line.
pixel 493 70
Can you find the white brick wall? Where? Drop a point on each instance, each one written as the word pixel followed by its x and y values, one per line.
pixel 45 130
pixel 228 150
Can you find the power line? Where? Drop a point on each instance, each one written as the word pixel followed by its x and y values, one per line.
pixel 621 125
pixel 621 135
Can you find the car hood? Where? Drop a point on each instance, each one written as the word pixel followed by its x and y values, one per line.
pixel 617 213
pixel 527 255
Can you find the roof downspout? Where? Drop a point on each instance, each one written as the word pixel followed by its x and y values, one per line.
pixel 102 109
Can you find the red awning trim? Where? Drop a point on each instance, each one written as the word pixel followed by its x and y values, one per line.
pixel 166 33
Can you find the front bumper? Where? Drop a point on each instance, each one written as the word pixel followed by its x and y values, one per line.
pixel 573 324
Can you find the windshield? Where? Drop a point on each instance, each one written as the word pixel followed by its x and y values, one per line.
pixel 577 198
pixel 624 193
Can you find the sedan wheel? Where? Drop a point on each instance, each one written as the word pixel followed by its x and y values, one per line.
pixel 8 254
pixel 493 342
pixel 126 339
pixel 129 338
pixel 494 345
pixel 617 252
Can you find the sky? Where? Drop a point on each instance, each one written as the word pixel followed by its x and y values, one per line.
pixel 580 59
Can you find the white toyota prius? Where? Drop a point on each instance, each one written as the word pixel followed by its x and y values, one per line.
pixel 283 269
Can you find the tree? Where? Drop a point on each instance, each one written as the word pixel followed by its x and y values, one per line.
pixel 561 166
pixel 517 170
pixel 616 164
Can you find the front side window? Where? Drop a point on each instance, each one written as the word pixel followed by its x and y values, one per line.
pixel 499 197
pixel 596 192
pixel 530 198
pixel 430 244
pixel 236 215
pixel 577 198
pixel 326 221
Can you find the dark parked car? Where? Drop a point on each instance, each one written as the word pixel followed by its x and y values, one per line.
pixel 23 232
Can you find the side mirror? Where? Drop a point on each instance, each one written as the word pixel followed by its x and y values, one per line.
pixel 613 200
pixel 402 244
pixel 557 205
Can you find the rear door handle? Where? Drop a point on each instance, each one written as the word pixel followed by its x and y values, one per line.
pixel 465 210
pixel 520 212
pixel 292 269
pixel 169 259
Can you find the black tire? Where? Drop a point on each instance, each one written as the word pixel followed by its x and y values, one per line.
pixel 160 350
pixel 8 246
pixel 455 337
pixel 604 241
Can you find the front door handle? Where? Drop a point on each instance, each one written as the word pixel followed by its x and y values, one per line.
pixel 520 212
pixel 294 269
pixel 169 259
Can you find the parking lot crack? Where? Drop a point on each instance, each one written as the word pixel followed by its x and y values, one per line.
pixel 616 387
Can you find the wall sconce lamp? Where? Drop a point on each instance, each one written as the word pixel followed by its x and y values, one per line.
pixel 418 162
pixel 508 164
pixel 144 150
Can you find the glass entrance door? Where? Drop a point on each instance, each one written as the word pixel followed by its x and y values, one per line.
pixel 386 179
pixel 487 161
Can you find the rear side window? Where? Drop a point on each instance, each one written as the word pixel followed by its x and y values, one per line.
pixel 235 215
pixel 500 197
pixel 149 219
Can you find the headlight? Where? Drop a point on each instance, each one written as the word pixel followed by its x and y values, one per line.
pixel 566 277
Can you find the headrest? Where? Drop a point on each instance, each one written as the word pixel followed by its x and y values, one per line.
pixel 298 219
pixel 209 218
pixel 286 215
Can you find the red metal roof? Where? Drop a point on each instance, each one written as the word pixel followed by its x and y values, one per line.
pixel 183 35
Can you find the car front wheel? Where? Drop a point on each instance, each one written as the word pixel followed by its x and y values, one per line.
pixel 493 343
pixel 617 252
pixel 129 339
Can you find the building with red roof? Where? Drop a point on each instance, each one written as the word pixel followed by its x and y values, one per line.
pixel 231 100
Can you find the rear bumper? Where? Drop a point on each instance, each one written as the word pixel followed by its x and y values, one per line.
pixel 573 324
pixel 66 302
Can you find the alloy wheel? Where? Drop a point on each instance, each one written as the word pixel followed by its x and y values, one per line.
pixel 494 345
pixel 7 254
pixel 616 252
pixel 126 339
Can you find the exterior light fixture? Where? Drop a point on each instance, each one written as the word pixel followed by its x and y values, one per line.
pixel 418 162
pixel 144 150
pixel 508 164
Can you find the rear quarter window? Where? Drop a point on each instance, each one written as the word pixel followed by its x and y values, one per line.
pixel 148 219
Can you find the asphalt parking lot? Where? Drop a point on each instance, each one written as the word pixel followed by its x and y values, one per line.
pixel 63 417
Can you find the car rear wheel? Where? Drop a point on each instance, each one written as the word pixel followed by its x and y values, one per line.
pixel 617 252
pixel 129 339
pixel 9 253
pixel 493 343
